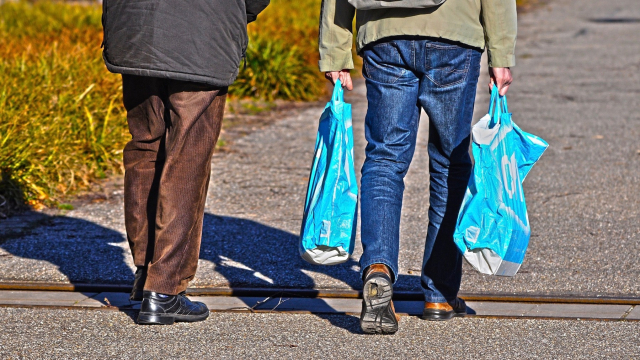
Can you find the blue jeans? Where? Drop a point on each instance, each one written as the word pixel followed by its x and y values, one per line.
pixel 403 75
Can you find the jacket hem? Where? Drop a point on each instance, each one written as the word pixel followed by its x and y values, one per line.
pixel 173 75
pixel 471 38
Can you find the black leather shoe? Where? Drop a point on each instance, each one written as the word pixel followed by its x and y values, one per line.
pixel 378 315
pixel 444 311
pixel 138 284
pixel 158 309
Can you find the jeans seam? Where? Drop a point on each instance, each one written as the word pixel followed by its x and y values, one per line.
pixel 384 83
pixel 369 72
pixel 437 46
pixel 366 68
pixel 413 53
pixel 447 85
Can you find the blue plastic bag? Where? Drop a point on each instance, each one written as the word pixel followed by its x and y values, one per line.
pixel 493 229
pixel 329 223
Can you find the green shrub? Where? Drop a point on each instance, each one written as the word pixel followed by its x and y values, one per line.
pixel 276 70
pixel 282 57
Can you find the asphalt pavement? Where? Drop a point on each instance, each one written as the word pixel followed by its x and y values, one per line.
pixel 577 85
pixel 65 334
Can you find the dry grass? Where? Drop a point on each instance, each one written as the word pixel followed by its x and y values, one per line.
pixel 525 5
pixel 62 124
pixel 61 119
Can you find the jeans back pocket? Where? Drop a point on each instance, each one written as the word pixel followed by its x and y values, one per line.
pixel 447 64
pixel 383 63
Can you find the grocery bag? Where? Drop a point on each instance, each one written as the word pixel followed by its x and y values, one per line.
pixel 329 223
pixel 492 229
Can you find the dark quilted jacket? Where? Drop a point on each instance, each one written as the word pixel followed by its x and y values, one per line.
pixel 195 40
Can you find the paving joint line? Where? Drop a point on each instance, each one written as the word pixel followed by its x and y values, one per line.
pixel 329 293
pixel 284 302
pixel 308 312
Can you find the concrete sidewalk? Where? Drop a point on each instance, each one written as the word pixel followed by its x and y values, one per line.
pixel 577 85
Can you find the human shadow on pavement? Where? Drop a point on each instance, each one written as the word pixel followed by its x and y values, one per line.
pixel 65 250
pixel 246 254
pixel 249 254
pixel 252 255
pixel 82 251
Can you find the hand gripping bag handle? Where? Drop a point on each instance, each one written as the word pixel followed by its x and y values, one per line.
pixel 338 93
pixel 496 111
pixel 337 101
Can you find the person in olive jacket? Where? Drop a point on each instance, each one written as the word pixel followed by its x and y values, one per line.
pixel 416 58
pixel 177 59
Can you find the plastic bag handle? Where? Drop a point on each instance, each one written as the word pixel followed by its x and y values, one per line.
pixel 338 92
pixel 503 104
pixel 500 101
pixel 494 112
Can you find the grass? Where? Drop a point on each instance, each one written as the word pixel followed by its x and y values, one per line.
pixel 61 119
pixel 62 123
pixel 275 69
pixel 282 56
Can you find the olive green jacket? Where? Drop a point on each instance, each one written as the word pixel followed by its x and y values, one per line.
pixel 490 24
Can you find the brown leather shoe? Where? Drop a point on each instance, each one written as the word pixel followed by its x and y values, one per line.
pixel 444 311
pixel 378 314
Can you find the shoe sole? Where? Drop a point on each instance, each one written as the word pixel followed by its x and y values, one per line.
pixel 439 315
pixel 155 319
pixel 377 317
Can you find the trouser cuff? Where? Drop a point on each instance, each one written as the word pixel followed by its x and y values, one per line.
pixel 165 286
pixel 365 264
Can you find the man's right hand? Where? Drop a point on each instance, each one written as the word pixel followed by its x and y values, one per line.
pixel 343 75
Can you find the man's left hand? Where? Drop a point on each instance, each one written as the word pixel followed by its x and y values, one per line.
pixel 502 77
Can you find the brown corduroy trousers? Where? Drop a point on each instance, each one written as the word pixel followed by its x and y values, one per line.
pixel 174 127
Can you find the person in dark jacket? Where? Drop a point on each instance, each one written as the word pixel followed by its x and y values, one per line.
pixel 177 59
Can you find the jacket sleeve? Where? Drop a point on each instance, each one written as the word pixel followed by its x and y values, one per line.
pixel 254 7
pixel 336 35
pixel 500 22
